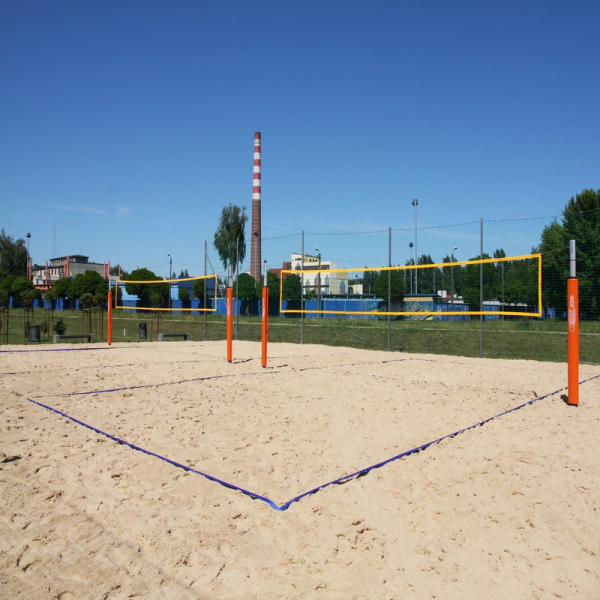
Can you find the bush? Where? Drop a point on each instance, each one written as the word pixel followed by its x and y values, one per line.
pixel 60 328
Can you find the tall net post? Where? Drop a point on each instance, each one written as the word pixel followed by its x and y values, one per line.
pixel 265 317
pixel 109 319
pixel 573 329
pixel 229 316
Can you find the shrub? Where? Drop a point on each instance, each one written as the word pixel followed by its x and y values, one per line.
pixel 60 328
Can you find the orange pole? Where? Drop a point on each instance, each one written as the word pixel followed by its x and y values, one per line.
pixel 265 323
pixel 229 323
pixel 573 339
pixel 109 324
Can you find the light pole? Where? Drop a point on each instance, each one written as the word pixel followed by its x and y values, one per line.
pixel 318 285
pixel 415 203
pixel 170 275
pixel 452 291
pixel 410 245
pixel 28 236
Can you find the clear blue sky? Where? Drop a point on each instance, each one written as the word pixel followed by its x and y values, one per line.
pixel 126 126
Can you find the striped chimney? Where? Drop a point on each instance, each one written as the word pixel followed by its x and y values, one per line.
pixel 255 254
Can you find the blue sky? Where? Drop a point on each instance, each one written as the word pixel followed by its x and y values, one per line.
pixel 126 126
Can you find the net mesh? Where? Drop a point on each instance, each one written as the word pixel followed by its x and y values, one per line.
pixel 490 286
pixel 192 294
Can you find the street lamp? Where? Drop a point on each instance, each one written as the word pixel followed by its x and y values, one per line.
pixel 410 245
pixel 318 278
pixel 170 275
pixel 452 291
pixel 28 236
pixel 415 203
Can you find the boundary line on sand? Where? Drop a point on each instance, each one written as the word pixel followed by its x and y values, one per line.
pixel 340 480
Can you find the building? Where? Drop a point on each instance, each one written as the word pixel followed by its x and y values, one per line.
pixel 329 283
pixel 44 276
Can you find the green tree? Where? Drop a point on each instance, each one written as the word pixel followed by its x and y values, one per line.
pixel 198 291
pixel 24 291
pixel 7 284
pixel 471 283
pixel 369 279
pixel 397 286
pixel 86 300
pixel 246 287
pixel 61 287
pixel 153 294
pixel 50 296
pixel 13 256
pixel 429 279
pixel 555 266
pixel 580 222
pixel 183 294
pixel 292 288
pixel 4 297
pixel 229 237
pixel 273 286
pixel 90 282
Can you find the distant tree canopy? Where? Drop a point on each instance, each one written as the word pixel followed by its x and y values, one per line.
pixel 272 284
pixel 154 294
pixel 246 287
pixel 428 279
pixel 24 292
pixel 397 286
pixel 61 287
pixel 368 281
pixel 580 222
pixel 90 282
pixel 230 241
pixel 13 256
pixel 198 288
pixel 292 288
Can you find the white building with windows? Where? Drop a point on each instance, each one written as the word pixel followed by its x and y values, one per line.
pixel 316 274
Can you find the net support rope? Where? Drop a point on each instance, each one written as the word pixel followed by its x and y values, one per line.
pixel 255 496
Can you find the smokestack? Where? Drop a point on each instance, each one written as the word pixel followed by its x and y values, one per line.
pixel 255 254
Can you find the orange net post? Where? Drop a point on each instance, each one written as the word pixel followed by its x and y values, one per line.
pixel 109 319
pixel 265 318
pixel 229 324
pixel 573 339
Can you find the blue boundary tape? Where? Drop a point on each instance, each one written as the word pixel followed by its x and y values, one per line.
pixel 57 350
pixel 287 504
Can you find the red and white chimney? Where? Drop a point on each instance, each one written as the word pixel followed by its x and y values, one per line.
pixel 255 234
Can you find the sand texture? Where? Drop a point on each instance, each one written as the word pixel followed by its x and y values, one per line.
pixel 508 509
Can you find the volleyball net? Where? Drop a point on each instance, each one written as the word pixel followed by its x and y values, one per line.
pixel 192 293
pixel 502 286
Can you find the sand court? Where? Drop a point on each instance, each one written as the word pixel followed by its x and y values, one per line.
pixel 511 505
